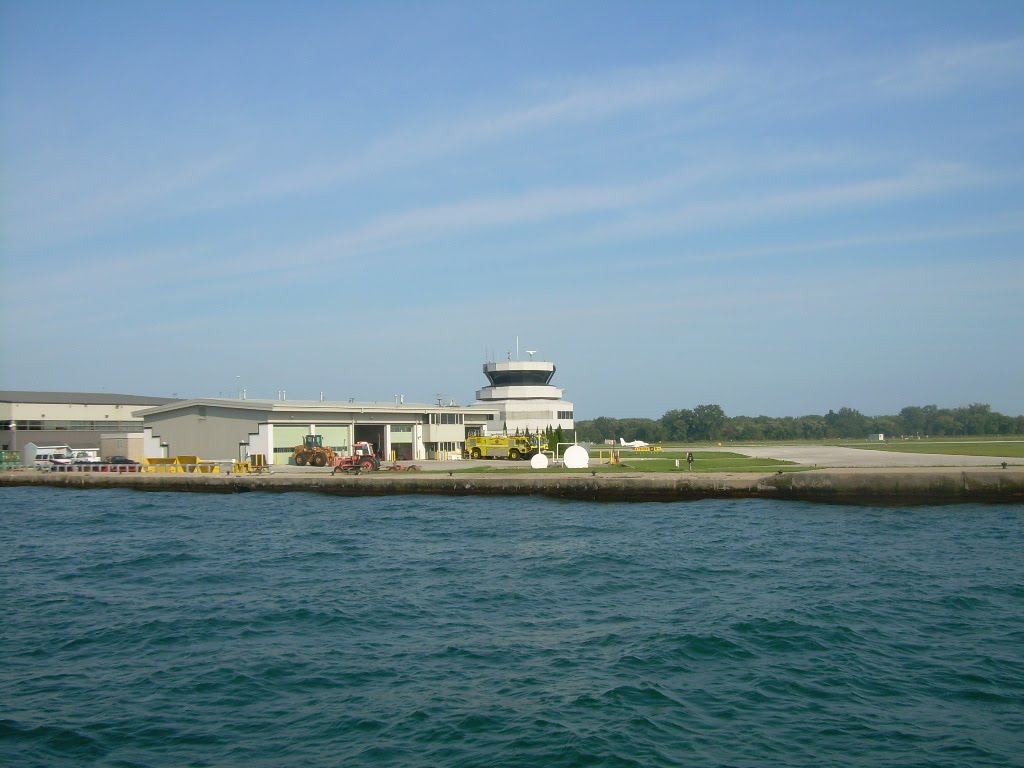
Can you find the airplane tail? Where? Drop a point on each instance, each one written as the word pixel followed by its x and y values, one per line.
pixel 622 441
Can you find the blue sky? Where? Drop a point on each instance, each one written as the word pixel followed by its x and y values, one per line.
pixel 780 208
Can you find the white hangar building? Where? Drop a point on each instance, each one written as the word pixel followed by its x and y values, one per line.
pixel 223 429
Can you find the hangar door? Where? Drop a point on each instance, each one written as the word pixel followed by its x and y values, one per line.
pixel 372 433
pixel 285 440
pixel 337 437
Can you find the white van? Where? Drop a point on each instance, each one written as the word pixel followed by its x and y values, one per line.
pixel 42 456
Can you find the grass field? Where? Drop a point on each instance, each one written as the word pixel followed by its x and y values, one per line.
pixel 704 461
pixel 725 461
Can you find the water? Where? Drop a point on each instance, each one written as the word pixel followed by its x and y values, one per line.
pixel 146 629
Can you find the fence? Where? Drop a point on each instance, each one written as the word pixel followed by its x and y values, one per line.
pixel 191 464
pixel 178 464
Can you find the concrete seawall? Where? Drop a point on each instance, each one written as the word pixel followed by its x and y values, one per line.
pixel 847 486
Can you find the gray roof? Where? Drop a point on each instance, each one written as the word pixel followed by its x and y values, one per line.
pixel 308 406
pixel 80 398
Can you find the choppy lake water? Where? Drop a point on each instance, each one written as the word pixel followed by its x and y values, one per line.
pixel 153 629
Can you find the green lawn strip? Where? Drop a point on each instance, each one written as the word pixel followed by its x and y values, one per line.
pixel 953 448
pixel 753 465
pixel 614 469
pixel 705 461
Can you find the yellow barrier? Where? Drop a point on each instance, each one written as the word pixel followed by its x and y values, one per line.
pixel 184 464
pixel 163 465
pixel 256 463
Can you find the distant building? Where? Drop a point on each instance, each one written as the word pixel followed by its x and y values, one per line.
pixel 522 394
pixel 75 419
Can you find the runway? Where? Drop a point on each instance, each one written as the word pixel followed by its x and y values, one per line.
pixel 838 457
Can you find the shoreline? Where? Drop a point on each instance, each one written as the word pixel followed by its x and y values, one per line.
pixel 902 486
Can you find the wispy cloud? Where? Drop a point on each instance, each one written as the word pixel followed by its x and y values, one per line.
pixel 727 89
pixel 435 222
pixel 614 93
pixel 733 85
pixel 1008 224
pixel 980 64
pixel 59 203
pixel 918 182
pixel 599 98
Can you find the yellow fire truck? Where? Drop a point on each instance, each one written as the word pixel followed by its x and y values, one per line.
pixel 503 446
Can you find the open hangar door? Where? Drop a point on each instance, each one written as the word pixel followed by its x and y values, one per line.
pixel 373 434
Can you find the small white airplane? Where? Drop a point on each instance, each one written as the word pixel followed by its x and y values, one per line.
pixel 632 443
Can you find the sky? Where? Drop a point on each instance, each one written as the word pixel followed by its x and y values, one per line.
pixel 780 208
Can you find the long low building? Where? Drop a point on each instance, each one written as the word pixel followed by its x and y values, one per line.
pixel 74 419
pixel 222 429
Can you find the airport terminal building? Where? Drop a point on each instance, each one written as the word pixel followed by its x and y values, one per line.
pixel 522 393
pixel 519 398
pixel 223 429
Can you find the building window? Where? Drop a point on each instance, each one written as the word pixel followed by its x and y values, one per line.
pixel 25 425
pixel 451 447
pixel 446 418
pixel 565 415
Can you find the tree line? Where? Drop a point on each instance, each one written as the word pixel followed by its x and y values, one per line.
pixel 709 423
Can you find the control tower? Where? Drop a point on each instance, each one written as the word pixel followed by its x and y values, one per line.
pixel 522 392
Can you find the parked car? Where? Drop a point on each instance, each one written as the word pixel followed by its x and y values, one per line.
pixel 86 457
pixel 59 460
pixel 120 460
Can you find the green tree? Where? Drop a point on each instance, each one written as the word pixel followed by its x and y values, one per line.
pixel 885 425
pixel 708 421
pixel 977 419
pixel 914 420
pixel 847 422
pixel 812 428
pixel 945 423
pixel 676 424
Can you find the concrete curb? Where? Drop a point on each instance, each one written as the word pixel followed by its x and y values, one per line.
pixel 892 487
